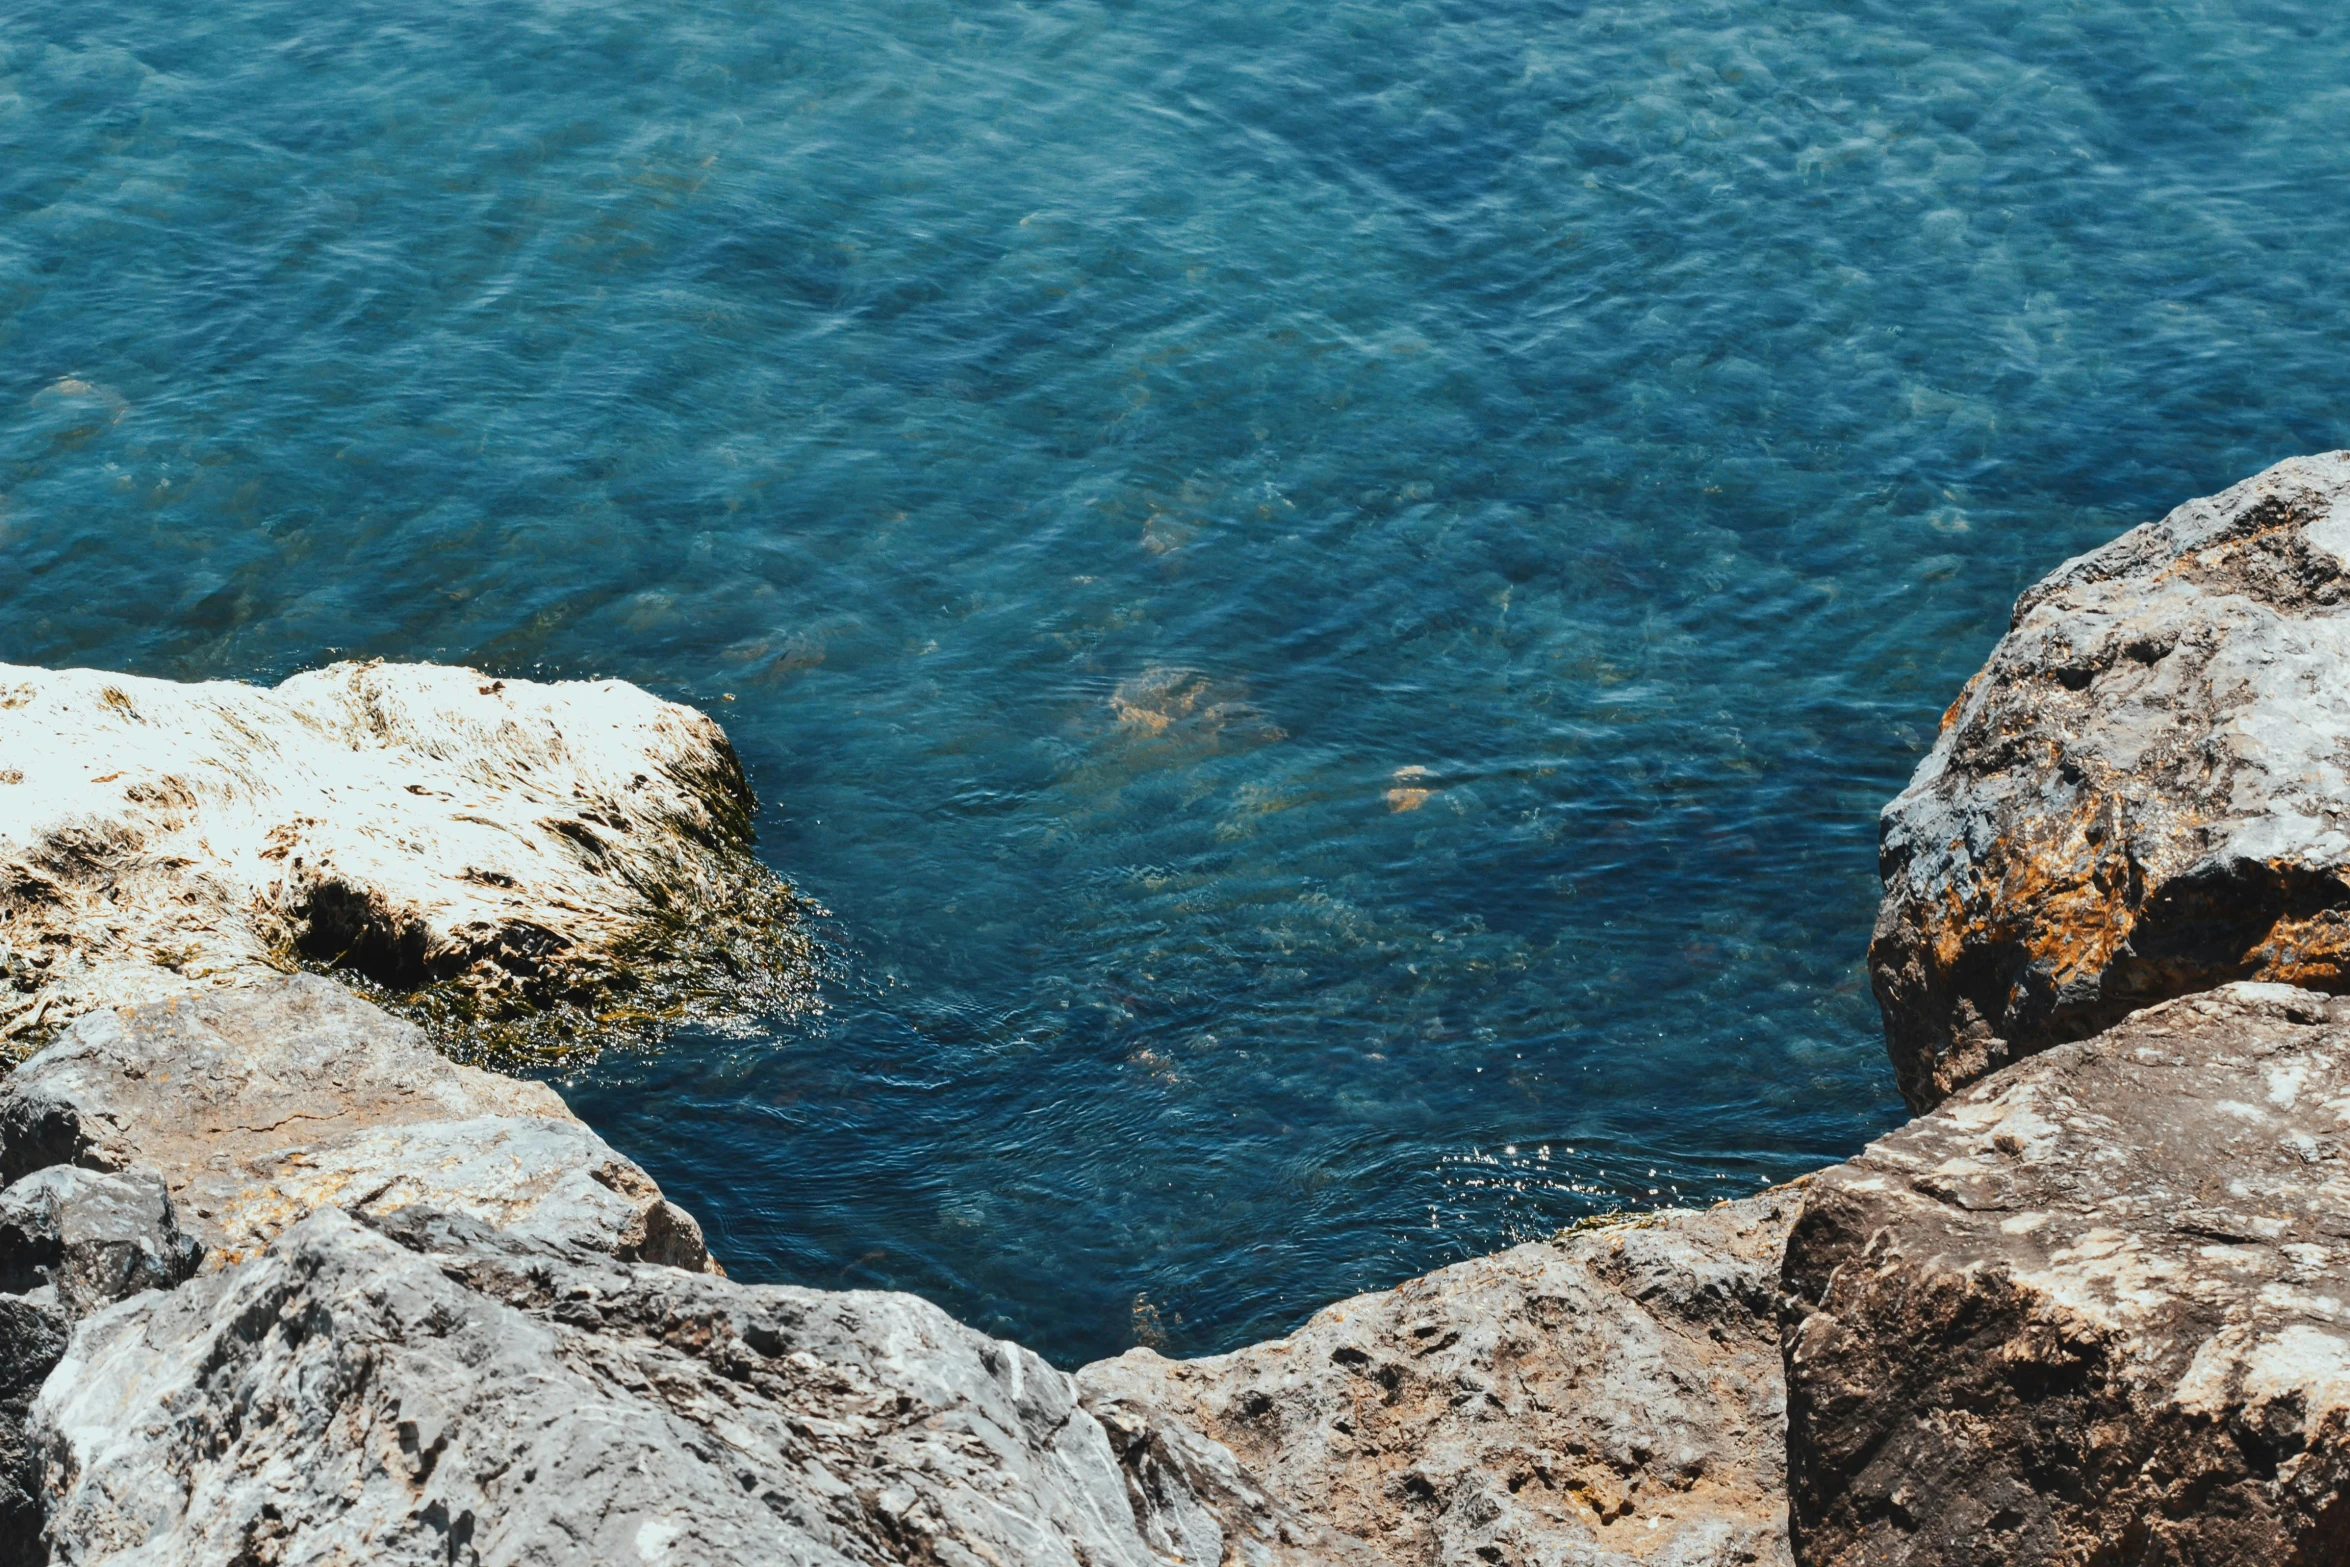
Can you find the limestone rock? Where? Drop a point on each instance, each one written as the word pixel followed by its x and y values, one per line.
pixel 261 1104
pixel 2090 1309
pixel 91 1237
pixel 2144 793
pixel 509 844
pixel 461 1395
pixel 1610 1397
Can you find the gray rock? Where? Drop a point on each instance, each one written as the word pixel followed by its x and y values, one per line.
pixel 2144 793
pixel 92 1238
pixel 1606 1398
pixel 2090 1309
pixel 32 1341
pixel 265 1103
pixel 1193 1500
pixel 461 1395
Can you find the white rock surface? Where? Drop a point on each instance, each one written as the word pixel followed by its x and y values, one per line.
pixel 509 840
pixel 345 1399
pixel 2144 793
pixel 90 1237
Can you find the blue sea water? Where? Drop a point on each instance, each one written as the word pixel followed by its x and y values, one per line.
pixel 1326 594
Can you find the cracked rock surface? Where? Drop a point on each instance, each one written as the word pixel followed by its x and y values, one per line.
pixel 92 1238
pixel 440 1321
pixel 1607 1398
pixel 514 844
pixel 2090 1310
pixel 261 1104
pixel 2144 793
pixel 433 1391
pixel 72 1242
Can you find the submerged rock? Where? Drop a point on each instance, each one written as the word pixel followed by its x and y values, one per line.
pixel 2144 793
pixel 1609 1397
pixel 489 847
pixel 457 1395
pixel 259 1105
pixel 2091 1309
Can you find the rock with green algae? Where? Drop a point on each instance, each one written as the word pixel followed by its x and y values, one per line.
pixel 482 851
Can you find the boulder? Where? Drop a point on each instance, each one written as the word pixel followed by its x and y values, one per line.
pixel 1607 1397
pixel 259 1105
pixel 2091 1309
pixel 71 1242
pixel 435 1390
pixel 2144 793
pixel 91 1238
pixel 500 846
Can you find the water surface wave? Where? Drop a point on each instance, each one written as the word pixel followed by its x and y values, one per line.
pixel 1328 593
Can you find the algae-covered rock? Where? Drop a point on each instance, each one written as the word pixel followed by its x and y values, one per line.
pixel 487 849
pixel 2144 793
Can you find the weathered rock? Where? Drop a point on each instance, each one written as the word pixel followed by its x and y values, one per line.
pixel 1195 1502
pixel 32 1340
pixel 2090 1310
pixel 92 1237
pixel 510 845
pixel 2143 794
pixel 71 1242
pixel 463 1396
pixel 261 1104
pixel 1608 1397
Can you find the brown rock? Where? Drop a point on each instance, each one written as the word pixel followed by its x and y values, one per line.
pixel 1605 1398
pixel 2091 1310
pixel 2142 794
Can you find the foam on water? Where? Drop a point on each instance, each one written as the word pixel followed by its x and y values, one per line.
pixel 1327 592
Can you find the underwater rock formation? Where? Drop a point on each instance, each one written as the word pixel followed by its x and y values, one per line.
pixel 1609 1397
pixel 2091 1308
pixel 2144 793
pixel 497 846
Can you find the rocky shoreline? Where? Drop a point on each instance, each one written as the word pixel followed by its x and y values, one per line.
pixel 282 1283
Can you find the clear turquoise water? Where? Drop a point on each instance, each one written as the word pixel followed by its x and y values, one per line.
pixel 1100 448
